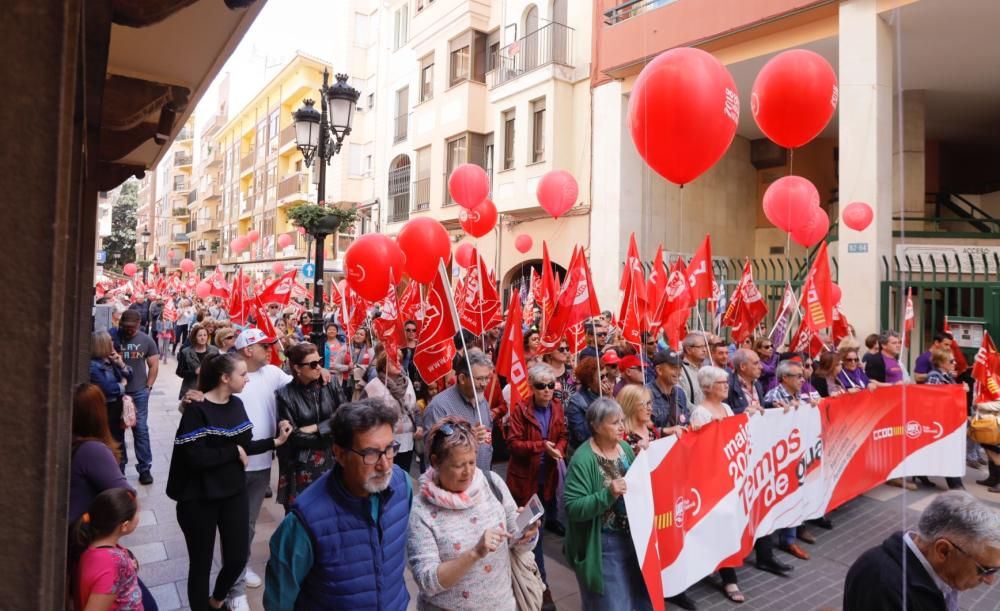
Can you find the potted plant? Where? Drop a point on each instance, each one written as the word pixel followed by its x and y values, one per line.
pixel 322 220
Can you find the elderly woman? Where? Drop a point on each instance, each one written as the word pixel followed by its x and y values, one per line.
pixel 825 376
pixel 190 359
pixel 598 545
pixel 225 339
pixel 461 527
pixel 537 440
pixel 396 391
pixel 594 383
pixel 110 373
pixel 943 372
pixel 852 373
pixel 307 403
pixel 637 405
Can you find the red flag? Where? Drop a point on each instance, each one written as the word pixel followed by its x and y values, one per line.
pixel 279 291
pixel 577 302
pixel 409 303
pixel 528 307
pixel 841 329
pixel 265 325
pixel 655 287
pixel 169 311
pixel 675 307
pixel 549 290
pixel 536 287
pixel 956 351
pixel 480 304
pixel 220 288
pixel 986 371
pixel 388 327
pixel 908 317
pixel 435 346
pixel 510 361
pixel 817 293
pixel 802 338
pixel 239 304
pixel 634 302
pixel 633 276
pixel 700 275
pixel 746 309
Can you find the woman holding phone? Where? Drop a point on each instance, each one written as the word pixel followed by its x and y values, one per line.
pixel 459 531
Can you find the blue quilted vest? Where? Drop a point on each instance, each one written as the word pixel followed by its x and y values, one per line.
pixel 357 563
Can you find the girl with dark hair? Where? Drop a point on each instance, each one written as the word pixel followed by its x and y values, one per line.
pixel 94 466
pixel 107 575
pixel 208 478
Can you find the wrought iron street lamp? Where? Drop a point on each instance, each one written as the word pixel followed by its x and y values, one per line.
pixel 320 134
pixel 145 243
pixel 201 257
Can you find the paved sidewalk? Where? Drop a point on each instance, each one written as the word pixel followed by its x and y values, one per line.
pixel 815 584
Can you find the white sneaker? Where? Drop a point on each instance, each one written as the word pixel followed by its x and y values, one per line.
pixel 239 603
pixel 252 579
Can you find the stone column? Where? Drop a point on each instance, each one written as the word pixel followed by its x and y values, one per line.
pixel 908 162
pixel 866 86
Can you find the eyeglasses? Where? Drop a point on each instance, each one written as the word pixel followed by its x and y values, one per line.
pixel 312 364
pixel 543 386
pixel 371 456
pixel 602 334
pixel 766 347
pixel 447 430
pixel 793 375
pixel 411 330
pixel 982 571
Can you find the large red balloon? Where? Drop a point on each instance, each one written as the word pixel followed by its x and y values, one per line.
pixel 425 243
pixel 465 254
pixel 203 289
pixel 369 264
pixel 479 220
pixel 557 192
pixel 683 112
pixel 858 215
pixel 240 244
pixel 523 243
pixel 794 97
pixel 789 201
pixel 187 265
pixel 810 232
pixel 278 268
pixel 469 185
pixel 130 269
pixel 285 240
pixel 253 235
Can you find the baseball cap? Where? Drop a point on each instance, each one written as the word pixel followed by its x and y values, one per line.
pixel 610 358
pixel 668 357
pixel 628 361
pixel 249 337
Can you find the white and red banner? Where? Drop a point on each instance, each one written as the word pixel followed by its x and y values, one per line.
pixel 699 502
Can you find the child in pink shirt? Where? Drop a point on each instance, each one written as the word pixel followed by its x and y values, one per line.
pixel 108 575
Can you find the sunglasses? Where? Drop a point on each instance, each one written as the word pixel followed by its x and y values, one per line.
pixel 982 571
pixel 854 360
pixel 312 364
pixel 602 335
pixel 563 349
pixel 543 386
pixel 766 347
pixel 411 330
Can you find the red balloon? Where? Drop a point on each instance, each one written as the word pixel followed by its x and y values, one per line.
pixel 683 113
pixel 301 230
pixel 371 263
pixel 465 254
pixel 130 269
pixel 187 265
pixel 170 253
pixel 858 215
pixel 285 240
pixel 789 201
pixel 557 192
pixel 469 185
pixel 837 293
pixel 203 289
pixel 809 233
pixel 278 268
pixel 794 97
pixel 425 243
pixel 240 244
pixel 480 219
pixel 523 243
pixel 253 235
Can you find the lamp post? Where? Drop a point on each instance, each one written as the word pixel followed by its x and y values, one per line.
pixel 201 257
pixel 320 134
pixel 145 243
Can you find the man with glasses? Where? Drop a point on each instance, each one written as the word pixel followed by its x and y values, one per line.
pixel 650 346
pixel 596 335
pixel 955 547
pixel 466 400
pixel 343 544
pixel 695 347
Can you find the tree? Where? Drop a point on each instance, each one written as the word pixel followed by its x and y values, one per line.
pixel 120 246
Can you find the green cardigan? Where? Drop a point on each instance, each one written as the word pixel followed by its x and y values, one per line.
pixel 586 498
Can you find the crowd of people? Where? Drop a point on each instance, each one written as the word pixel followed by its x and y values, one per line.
pixel 379 469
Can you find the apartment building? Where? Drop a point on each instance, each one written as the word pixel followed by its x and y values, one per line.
pixel 164 202
pixel 503 84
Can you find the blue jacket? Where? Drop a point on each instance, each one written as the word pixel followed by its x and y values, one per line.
pixel 357 561
pixel 738 400
pixel 107 376
pixel 576 416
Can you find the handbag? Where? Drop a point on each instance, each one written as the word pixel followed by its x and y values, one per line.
pixel 128 412
pixel 984 429
pixel 524 576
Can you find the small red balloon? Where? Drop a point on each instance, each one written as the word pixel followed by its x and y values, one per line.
pixel 557 192
pixel 187 265
pixel 253 235
pixel 371 263
pixel 425 243
pixel 203 289
pixel 285 240
pixel 794 97
pixel 789 201
pixel 465 254
pixel 837 293
pixel 469 185
pixel 130 269
pixel 523 243
pixel 278 268
pixel 815 229
pixel 301 230
pixel 858 215
pixel 170 253
pixel 480 219
pixel 683 112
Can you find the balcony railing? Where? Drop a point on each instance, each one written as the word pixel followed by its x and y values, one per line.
pixel 246 162
pixel 185 134
pixel 549 44
pixel 213 191
pixel 182 159
pixel 180 237
pixel 180 211
pixel 401 126
pixel 632 8
pixel 286 135
pixel 180 187
pixel 422 194
pixel 292 185
pixel 192 225
pixel 192 196
pixel 214 157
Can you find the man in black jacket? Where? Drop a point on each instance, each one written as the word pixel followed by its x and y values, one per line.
pixel 956 547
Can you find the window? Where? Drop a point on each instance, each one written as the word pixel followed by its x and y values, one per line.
pixel 273 122
pixel 508 139
pixel 361 27
pixel 355 154
pixel 460 65
pixel 402 27
pixel 538 130
pixel 488 157
pixel 179 183
pixel 402 112
pixel 467 58
pixel 427 78
pixel 422 187
pixel 399 189
pixel 463 148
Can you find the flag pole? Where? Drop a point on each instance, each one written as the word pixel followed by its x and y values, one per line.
pixel 461 335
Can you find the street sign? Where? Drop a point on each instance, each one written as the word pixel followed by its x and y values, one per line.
pixel 102 256
pixel 857 247
pixel 308 270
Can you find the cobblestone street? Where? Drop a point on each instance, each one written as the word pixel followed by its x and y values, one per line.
pixel 815 584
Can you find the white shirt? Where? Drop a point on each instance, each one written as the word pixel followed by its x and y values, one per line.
pixel 950 594
pixel 262 409
pixel 700 416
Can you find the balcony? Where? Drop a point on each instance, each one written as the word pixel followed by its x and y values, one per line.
pixel 548 45
pixel 185 134
pixel 192 196
pixel 192 226
pixel 181 186
pixel 180 238
pixel 180 211
pixel 246 163
pixel 212 191
pixel 296 184
pixel 421 194
pixel 632 8
pixel 182 159
pixel 214 158
pixel 214 124
pixel 286 136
